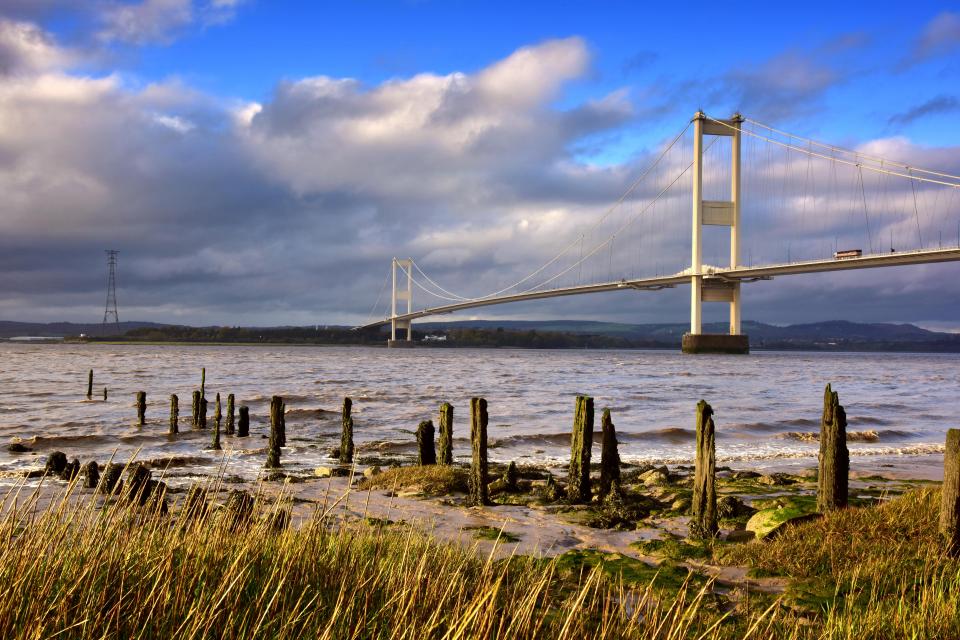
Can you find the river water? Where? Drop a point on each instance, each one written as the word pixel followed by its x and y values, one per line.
pixel 762 402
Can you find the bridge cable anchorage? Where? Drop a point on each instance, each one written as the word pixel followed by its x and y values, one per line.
pixel 636 183
pixel 850 163
pixel 833 148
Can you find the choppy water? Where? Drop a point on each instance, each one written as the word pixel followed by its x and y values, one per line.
pixel 759 400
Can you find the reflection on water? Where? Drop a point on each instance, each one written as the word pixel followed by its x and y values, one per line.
pixel 762 401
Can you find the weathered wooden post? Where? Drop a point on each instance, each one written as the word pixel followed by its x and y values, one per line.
pixel 581 447
pixel 346 432
pixel 243 422
pixel 104 394
pixel 217 413
pixel 834 468
pixel 203 413
pixel 950 505
pixel 609 457
pixel 174 414
pixel 141 407
pixel 276 416
pixel 511 477
pixel 91 475
pixel 90 385
pixel 426 453
pixel 446 433
pixel 230 415
pixel 196 409
pixel 203 382
pixel 283 423
pixel 215 445
pixel 703 524
pixel 479 492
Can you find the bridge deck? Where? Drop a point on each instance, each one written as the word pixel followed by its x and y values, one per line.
pixel 920 256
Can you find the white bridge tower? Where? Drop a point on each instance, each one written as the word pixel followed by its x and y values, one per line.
pixel 401 294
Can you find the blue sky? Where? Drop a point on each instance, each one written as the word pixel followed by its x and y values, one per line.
pixel 230 113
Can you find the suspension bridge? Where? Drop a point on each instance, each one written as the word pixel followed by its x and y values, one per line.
pixel 812 208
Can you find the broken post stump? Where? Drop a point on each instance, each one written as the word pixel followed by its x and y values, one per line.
pixel 479 492
pixel 950 500
pixel 609 457
pixel 104 394
pixel 141 407
pixel 174 414
pixel 90 385
pixel 581 446
pixel 91 475
pixel 703 524
pixel 446 434
pixel 834 458
pixel 217 417
pixel 110 479
pixel 273 448
pixel 510 478
pixel 196 409
pixel 230 415
pixel 56 463
pixel 243 422
pixel 346 432
pixel 202 422
pixel 426 453
pixel 203 382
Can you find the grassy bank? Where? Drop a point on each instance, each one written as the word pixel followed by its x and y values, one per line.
pixel 84 569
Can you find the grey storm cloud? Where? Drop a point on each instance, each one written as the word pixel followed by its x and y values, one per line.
pixel 289 211
pixel 940 37
pixel 934 106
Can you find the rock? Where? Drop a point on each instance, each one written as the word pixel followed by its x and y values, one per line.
pixel 552 491
pixel 732 507
pixel 56 463
pixel 767 522
pixel 371 472
pixel 681 505
pixel 654 477
pixel 331 472
pixel 17 447
pixel 335 453
pixel 744 475
pixel 776 480
pixel 195 505
pixel 740 535
pixel 279 520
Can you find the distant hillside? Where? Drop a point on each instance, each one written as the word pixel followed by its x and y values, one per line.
pixel 10 329
pixel 830 335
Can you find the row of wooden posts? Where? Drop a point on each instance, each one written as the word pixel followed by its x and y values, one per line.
pixel 832 471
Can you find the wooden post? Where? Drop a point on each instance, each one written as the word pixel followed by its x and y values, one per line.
pixel 217 413
pixel 91 475
pixel 230 415
pixel 203 413
pixel 511 477
pixel 581 447
pixel 104 394
pixel 283 423
pixel 479 492
pixel 834 468
pixel 174 414
pixel 609 457
pixel 215 445
pixel 446 433
pixel 276 416
pixel 196 409
pixel 243 422
pixel 141 407
pixel 703 524
pixel 203 382
pixel 346 432
pixel 427 454
pixel 950 506
pixel 90 385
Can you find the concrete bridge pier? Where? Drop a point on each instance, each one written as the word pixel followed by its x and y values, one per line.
pixel 703 287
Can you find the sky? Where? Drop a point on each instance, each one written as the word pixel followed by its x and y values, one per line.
pixel 260 163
